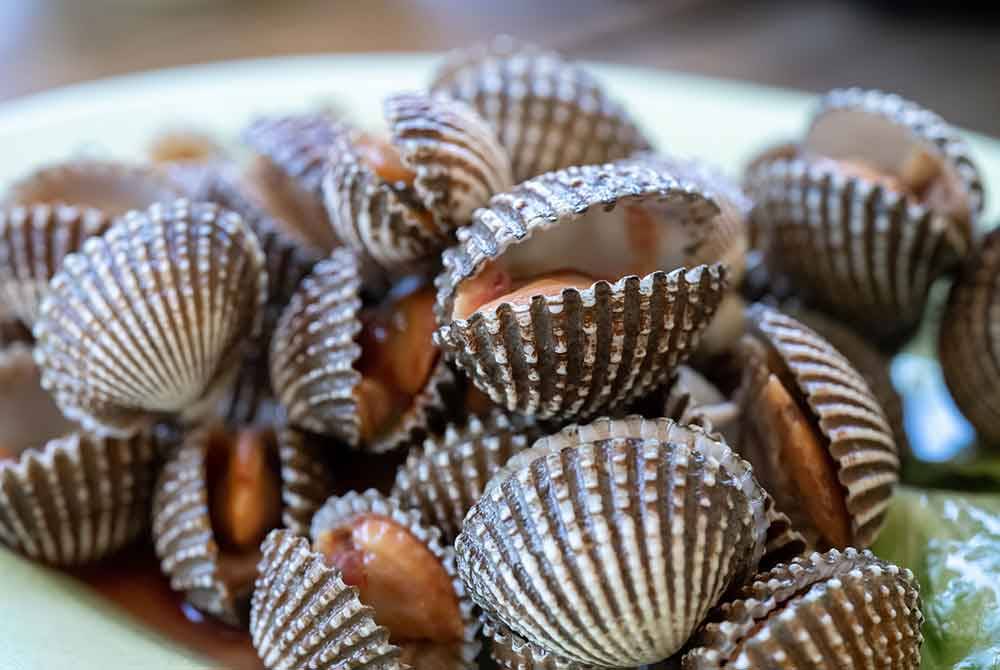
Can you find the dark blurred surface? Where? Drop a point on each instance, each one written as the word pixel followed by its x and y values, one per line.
pixel 945 57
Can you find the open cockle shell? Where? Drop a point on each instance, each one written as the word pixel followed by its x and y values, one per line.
pixel 447 475
pixel 607 544
pixel 150 317
pixel 878 201
pixel 339 511
pixel 842 413
pixel 969 344
pixel 399 203
pixel 306 477
pixel 287 177
pixel 547 112
pixel 574 354
pixel 34 240
pixel 302 614
pixel 834 610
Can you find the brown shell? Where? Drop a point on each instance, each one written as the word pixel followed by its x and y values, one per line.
pixel 302 614
pixel 547 359
pixel 287 179
pixel 457 165
pixel 510 651
pixel 183 146
pixel 13 332
pixel 34 240
pixel 112 188
pixel 590 542
pixel 783 542
pixel 446 477
pixel 547 112
pixel 307 477
pixel 312 356
pixel 340 510
pixel 834 610
pixel 969 341
pixel 150 317
pixel 846 413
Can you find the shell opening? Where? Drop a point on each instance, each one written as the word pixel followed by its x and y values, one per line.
pixel 397 575
pixel 397 358
pixel 244 485
pixel 632 239
pixel 300 213
pixel 29 416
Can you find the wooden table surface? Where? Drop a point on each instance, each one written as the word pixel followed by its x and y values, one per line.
pixel 948 63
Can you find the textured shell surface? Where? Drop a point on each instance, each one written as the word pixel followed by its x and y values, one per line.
pixel 969 340
pixel 838 610
pixel 303 615
pixel 151 317
pixel 448 474
pixel 340 510
pixel 783 542
pixel 111 187
pixel 574 354
pixel 547 112
pixel 307 477
pixel 847 415
pixel 34 240
pixel 607 544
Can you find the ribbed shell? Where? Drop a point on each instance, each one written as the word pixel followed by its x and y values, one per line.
pixel 312 356
pixel 341 510
pixel 446 477
pixel 969 345
pixel 112 188
pixel 302 615
pixel 458 165
pixel 607 544
pixel 577 354
pixel 845 610
pixel 34 240
pixel 184 539
pixel 866 359
pixel 77 498
pixel 510 651
pixel 306 477
pixel 860 251
pixel 847 415
pixel 151 316
pixel 783 542
pixel 297 151
pixel 547 112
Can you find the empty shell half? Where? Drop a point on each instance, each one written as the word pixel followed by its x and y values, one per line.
pixel 216 499
pixel 398 202
pixel 814 432
pixel 838 610
pixel 371 377
pixel 548 113
pixel 878 201
pixel 574 292
pixel 403 571
pixel 447 475
pixel 150 318
pixel 607 544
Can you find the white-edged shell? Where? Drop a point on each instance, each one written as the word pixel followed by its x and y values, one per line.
pixel 607 544
pixel 838 610
pixel 150 317
pixel 306 477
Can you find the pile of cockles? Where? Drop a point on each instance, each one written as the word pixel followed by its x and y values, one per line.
pixel 639 415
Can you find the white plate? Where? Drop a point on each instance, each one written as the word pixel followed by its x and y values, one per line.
pixel 49 621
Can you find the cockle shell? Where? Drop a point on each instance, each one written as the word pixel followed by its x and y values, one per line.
pixel 287 179
pixel 302 615
pixel 841 407
pixel 306 477
pixel 783 542
pixel 34 240
pixel 456 162
pixel 312 356
pixel 150 317
pixel 66 497
pixel 607 544
pixel 693 399
pixel 547 112
pixel 578 353
pixel 835 610
pixel 969 341
pixel 861 249
pixel 447 475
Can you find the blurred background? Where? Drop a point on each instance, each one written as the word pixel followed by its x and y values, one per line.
pixel 944 54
